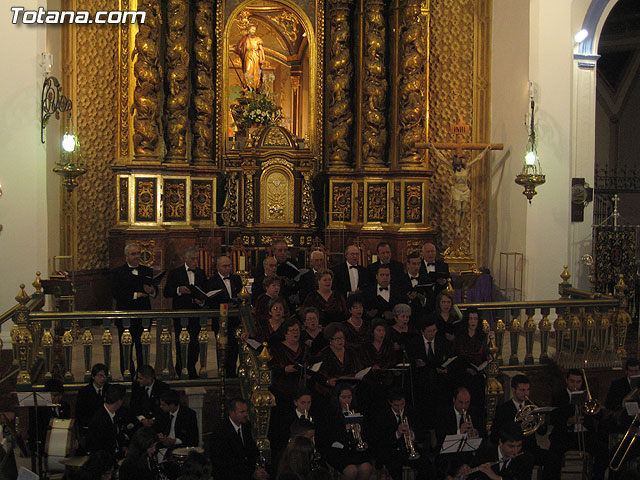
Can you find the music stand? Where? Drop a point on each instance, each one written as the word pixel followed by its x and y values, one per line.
pixel 31 399
pixel 459 443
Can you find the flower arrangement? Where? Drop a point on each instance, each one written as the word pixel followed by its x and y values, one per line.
pixel 261 109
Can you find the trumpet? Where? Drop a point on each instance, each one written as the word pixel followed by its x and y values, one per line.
pixel 624 447
pixel 356 432
pixel 529 422
pixel 408 441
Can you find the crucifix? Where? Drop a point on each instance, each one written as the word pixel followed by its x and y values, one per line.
pixel 460 192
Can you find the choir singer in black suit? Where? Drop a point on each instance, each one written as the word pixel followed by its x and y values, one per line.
pixel 380 297
pixel 436 270
pixel 177 288
pixel 234 453
pixel 383 251
pixel 132 286
pixel 230 285
pixel 146 391
pixel 349 276
pixel 287 270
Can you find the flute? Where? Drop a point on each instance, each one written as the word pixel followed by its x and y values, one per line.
pixel 477 469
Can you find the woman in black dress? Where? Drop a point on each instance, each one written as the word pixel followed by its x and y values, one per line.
pixel 330 304
pixel 337 439
pixel 378 354
pixel 447 320
pixel 312 336
pixel 357 326
pixel 272 330
pixel 286 364
pixel 140 462
pixel 471 348
pixel 400 333
pixel 338 359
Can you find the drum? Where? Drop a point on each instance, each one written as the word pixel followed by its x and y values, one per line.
pixel 179 455
pixel 60 443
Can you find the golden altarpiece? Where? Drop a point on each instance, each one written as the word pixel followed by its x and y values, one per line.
pixel 358 83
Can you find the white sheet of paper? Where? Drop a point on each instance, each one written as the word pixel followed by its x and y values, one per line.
pixel 362 373
pixel 315 367
pixel 632 408
pixel 253 343
pixel 449 360
pixel 337 445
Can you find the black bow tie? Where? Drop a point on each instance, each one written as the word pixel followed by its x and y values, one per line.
pixel 431 264
pixel 383 288
pixel 191 270
pixel 226 278
pixel 133 268
pixel 413 278
pixel 353 266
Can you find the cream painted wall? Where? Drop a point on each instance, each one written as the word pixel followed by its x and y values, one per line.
pixel 24 206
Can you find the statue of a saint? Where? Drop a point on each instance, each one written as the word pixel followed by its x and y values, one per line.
pixel 251 52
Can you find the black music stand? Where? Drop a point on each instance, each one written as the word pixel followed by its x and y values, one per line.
pixel 31 399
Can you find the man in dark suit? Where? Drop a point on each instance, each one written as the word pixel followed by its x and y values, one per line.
pixel 349 276
pixel 383 251
pixel 145 396
pixel 505 460
pixel 178 423
pixel 427 353
pixel 388 437
pixel 412 282
pixel 286 270
pixel 619 389
pixel 91 397
pixel 233 451
pixel 230 285
pixel 59 409
pixel 269 267
pixel 437 271
pixel 380 297
pixel 107 429
pixel 132 285
pixel 459 418
pixel 550 462
pixel 177 288
pixel 308 279
pixel 567 422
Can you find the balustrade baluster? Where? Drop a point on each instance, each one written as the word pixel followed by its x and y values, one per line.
pixel 203 339
pixel 87 347
pixel 67 345
pixel 47 350
pixel 545 327
pixel 589 326
pixel 499 338
pixel 165 346
pixel 107 343
pixel 623 319
pixel 575 325
pixel 529 332
pixel 222 340
pixel 125 343
pixel 22 339
pixel 184 339
pixel 514 328
pixel 145 340
pixel 559 327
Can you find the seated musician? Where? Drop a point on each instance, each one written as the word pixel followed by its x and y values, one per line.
pixel 378 354
pixel 380 297
pixel 471 348
pixel 269 267
pixel 145 396
pixel 280 431
pixel 90 399
pixel 505 414
pixel 178 424
pixel 59 409
pixel 504 461
pixel 357 327
pixel 461 418
pixel 401 333
pixel 312 336
pixel 108 426
pixel 297 461
pixel 395 427
pixel 140 462
pixel 446 317
pixel 338 359
pixel 618 391
pixel 338 440
pixel 571 425
pixel 330 304
pixel 234 453
pixel 100 465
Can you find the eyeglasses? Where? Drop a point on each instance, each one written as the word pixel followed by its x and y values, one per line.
pixel 337 338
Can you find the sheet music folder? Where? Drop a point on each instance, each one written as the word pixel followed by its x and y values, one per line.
pixel 460 443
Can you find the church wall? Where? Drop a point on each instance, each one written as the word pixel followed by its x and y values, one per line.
pixel 509 77
pixel 24 205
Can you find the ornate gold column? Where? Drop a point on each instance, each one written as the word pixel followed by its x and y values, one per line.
pixel 202 125
pixel 414 36
pixel 374 86
pixel 308 215
pixel 147 73
pixel 230 209
pixel 339 79
pixel 177 70
pixel 22 340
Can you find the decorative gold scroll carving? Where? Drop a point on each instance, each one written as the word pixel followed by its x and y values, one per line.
pixel 377 202
pixel 203 100
pixel 397 200
pixel 147 71
pixel 177 70
pixel 339 79
pixel 341 202
pixel 413 203
pixel 175 200
pixel 145 199
pixel 277 195
pixel 230 209
pixel 289 23
pixel 413 82
pixel 202 199
pixel 374 85
pixel 248 201
pixel 124 85
pixel 123 210
pixel 308 215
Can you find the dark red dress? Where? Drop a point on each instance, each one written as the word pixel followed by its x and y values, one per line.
pixel 332 310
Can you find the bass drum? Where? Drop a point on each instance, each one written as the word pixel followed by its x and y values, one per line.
pixel 60 443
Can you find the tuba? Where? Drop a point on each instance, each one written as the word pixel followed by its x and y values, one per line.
pixel 408 442
pixel 529 422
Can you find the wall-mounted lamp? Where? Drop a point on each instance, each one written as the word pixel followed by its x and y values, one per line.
pixel 53 102
pixel 581 36
pixel 67 167
pixel 531 175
